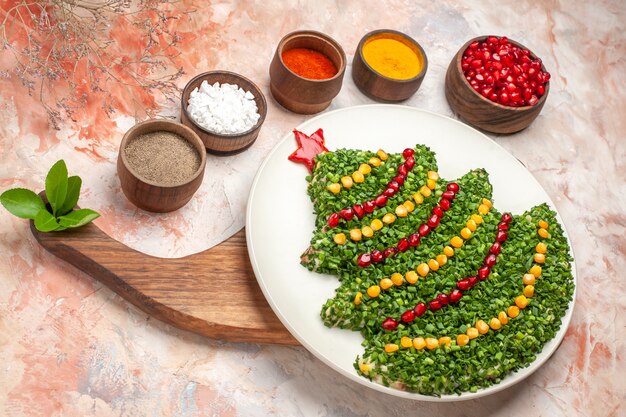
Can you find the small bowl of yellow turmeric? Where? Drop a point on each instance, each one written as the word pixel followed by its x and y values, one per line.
pixel 389 65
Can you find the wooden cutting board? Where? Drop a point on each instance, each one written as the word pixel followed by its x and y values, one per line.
pixel 213 293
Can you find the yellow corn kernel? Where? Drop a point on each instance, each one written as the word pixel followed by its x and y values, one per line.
pixel 375 162
pixel 471 224
pixel 540 258
pixel 456 241
pixel 432 343
pixel 358 177
pixel 406 342
pixel 382 155
pixel 364 367
pixel 543 224
pixel 367 231
pixel 529 291
pixel 389 218
pixel 445 340
pixel 357 298
pixel 462 339
pixel 528 279
pixel 521 301
pixel 346 181
pixel 512 311
pixel 423 269
pixel 495 323
pixel 419 343
pixel 356 235
pixel 466 233
pixel 535 270
pixel 433 175
pixel 433 265
pixel 419 199
pixel 432 184
pixel 411 277
pixel 365 169
pixel 373 291
pixel 504 319
pixel 472 332
pixel 340 238
pixel 441 259
pixel 487 202
pixel 477 218
pixel 448 251
pixel 376 224
pixel 483 209
pixel 541 247
pixel 543 233
pixel 426 192
pixel 334 188
pixel 409 206
pixel 482 327
pixel 397 279
pixel 386 283
pixel 401 211
pixel 391 347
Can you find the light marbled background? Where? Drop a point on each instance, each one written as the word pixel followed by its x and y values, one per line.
pixel 71 347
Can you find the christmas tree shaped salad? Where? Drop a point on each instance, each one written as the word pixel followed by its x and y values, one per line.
pixel 450 294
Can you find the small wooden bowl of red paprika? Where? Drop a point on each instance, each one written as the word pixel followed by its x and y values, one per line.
pixel 307 71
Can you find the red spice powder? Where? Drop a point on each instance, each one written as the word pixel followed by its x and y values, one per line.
pixel 308 63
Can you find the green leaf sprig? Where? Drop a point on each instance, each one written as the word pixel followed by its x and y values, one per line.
pixel 62 193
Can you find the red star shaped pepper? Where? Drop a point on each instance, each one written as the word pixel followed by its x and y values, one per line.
pixel 308 148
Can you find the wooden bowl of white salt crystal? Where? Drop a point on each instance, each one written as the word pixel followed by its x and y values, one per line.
pixel 225 109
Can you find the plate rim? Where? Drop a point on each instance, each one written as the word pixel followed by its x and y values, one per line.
pixel 465 396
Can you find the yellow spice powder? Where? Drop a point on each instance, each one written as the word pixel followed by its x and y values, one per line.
pixel 392 58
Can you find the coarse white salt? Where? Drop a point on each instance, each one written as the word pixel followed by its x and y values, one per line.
pixel 223 109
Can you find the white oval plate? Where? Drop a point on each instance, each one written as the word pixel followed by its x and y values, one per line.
pixel 280 221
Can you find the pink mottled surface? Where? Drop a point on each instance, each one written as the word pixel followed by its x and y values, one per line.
pixel 70 347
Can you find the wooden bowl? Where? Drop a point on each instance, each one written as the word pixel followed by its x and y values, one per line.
pixel 304 95
pixel 379 87
pixel 481 112
pixel 151 196
pixel 217 143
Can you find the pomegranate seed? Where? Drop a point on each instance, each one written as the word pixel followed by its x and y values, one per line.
pixel 444 204
pixel 443 299
pixel 433 221
pixel 473 280
pixel 414 239
pixel 477 63
pixel 495 248
pixel 435 305
pixel 503 226
pixel 403 170
pixel 403 245
pixel 369 206
pixel 501 236
pixel 455 295
pixel 479 77
pixel 463 284
pixel 541 90
pixel 364 260
pixel 333 220
pixel 504 98
pixel 399 179
pixel 474 45
pixel 437 211
pixel 394 185
pixel 533 100
pixel 420 309
pixel 490 260
pixel 380 201
pixel 346 214
pixel 515 96
pixel 407 152
pixel 377 256
pixel 389 192
pixel 408 316
pixel 506 218
pixel 423 230
pixel 464 66
pixel 448 195
pixel 483 273
pixel 410 163
pixel 358 210
pixel 390 324
pixel 389 252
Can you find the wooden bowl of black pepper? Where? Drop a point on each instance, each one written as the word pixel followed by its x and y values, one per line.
pixel 298 93
pixel 476 109
pixel 161 165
